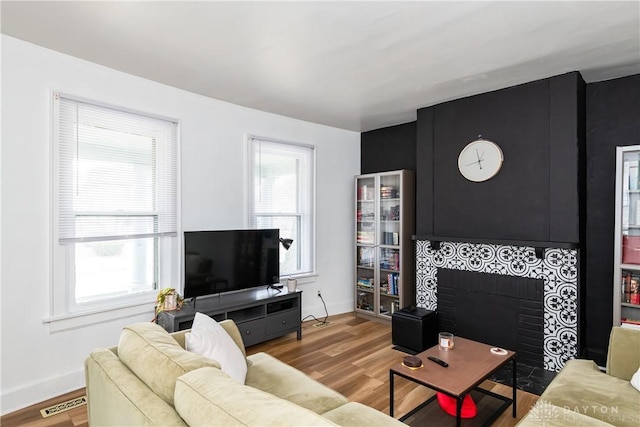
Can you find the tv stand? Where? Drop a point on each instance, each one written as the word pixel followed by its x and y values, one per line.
pixel 260 314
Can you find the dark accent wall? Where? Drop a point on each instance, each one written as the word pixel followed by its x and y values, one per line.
pixel 613 119
pixel 534 197
pixel 388 149
pixel 605 114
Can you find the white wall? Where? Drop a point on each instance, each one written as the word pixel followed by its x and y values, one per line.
pixel 37 363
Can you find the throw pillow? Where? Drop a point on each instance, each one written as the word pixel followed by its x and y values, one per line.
pixel 207 338
pixel 635 380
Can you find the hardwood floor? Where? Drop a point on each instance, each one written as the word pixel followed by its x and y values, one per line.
pixel 352 356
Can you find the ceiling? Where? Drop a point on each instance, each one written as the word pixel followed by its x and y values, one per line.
pixel 352 65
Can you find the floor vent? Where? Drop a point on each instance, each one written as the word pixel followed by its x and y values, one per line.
pixel 323 324
pixel 64 406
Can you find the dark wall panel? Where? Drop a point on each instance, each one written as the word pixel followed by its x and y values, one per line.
pixel 613 119
pixel 536 195
pixel 388 149
pixel 513 205
pixel 566 156
pixel 424 173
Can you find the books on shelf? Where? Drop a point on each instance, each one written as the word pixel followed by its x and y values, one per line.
pixel 366 192
pixel 365 282
pixel 365 216
pixel 391 286
pixel 366 257
pixel 388 192
pixel 390 238
pixel 365 237
pixel 390 259
pixel 630 323
pixel 391 214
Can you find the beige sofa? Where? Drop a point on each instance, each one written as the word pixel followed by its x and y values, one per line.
pixel 582 395
pixel 151 380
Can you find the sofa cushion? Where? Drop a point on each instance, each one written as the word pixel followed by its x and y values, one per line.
pixel 545 414
pixel 581 387
pixel 357 414
pixel 623 356
pixel 269 374
pixel 117 397
pixel 207 338
pixel 156 358
pixel 208 397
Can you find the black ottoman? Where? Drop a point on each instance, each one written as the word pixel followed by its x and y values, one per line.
pixel 414 329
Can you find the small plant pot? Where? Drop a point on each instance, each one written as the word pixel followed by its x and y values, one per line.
pixel 170 302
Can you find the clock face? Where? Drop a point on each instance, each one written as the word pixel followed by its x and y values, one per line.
pixel 480 160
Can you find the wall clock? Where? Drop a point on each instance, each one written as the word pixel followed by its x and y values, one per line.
pixel 480 160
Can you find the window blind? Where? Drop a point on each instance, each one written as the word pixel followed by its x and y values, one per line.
pixel 117 174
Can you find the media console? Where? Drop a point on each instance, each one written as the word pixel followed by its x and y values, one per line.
pixel 261 314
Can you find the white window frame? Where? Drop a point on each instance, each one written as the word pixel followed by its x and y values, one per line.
pixel 308 248
pixel 65 312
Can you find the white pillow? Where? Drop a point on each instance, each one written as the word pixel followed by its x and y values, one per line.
pixel 207 338
pixel 635 379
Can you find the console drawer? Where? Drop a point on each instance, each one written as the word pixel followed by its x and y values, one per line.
pixel 252 332
pixel 285 321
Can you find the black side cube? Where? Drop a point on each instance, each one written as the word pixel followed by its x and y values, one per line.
pixel 414 328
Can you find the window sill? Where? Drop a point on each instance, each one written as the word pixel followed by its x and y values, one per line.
pixel 301 278
pixel 77 320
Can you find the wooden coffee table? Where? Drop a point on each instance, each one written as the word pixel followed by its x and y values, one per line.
pixel 470 363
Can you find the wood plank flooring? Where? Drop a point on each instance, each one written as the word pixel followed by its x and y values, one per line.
pixel 352 356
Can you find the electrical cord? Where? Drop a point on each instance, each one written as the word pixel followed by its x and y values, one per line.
pixel 323 322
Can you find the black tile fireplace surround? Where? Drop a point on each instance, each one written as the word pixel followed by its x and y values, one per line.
pixel 555 268
pixel 500 310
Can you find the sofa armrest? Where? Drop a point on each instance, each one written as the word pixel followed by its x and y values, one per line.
pixel 117 397
pixel 623 357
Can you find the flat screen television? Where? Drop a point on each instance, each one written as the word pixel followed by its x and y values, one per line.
pixel 230 260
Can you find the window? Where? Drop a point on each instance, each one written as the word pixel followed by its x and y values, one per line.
pixel 115 205
pixel 281 195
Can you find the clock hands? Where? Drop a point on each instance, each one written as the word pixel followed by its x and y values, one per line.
pixel 479 161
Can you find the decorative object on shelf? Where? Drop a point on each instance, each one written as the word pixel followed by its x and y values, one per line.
pixel 480 160
pixel 168 299
pixel 292 284
pixel 445 339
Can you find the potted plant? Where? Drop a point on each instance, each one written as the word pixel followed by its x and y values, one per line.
pixel 168 299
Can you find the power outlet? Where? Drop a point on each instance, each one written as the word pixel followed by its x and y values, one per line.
pixel 319 294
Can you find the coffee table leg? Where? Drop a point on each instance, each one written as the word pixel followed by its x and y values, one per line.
pixel 514 386
pixel 459 410
pixel 391 394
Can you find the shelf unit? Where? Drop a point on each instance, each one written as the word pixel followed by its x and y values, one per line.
pixel 385 222
pixel 626 294
pixel 260 314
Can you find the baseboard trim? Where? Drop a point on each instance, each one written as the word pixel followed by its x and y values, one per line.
pixel 31 394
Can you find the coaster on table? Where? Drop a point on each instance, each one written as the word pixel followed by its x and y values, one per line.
pixel 499 351
pixel 412 362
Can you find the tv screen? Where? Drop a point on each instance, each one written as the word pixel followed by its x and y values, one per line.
pixel 230 260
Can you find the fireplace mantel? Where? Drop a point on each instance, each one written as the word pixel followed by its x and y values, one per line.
pixel 530 243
